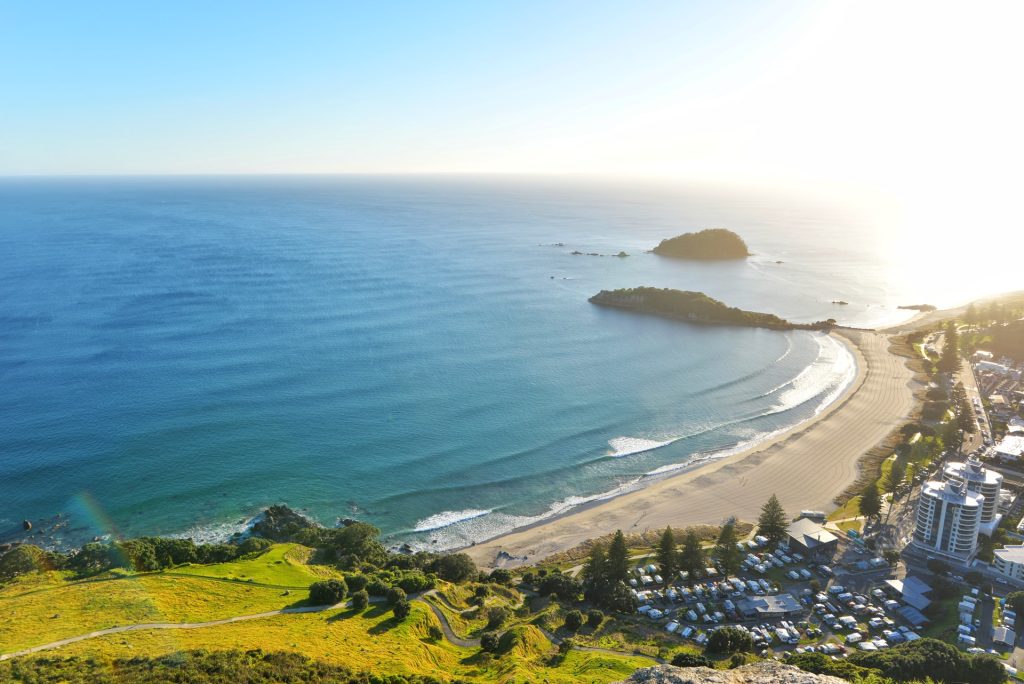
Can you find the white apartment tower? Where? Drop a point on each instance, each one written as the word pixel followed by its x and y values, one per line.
pixel 948 518
pixel 979 480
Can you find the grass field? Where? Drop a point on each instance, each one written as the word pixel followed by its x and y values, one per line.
pixel 372 641
pixel 284 565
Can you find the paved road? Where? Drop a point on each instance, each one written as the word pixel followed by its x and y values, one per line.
pixel 973 441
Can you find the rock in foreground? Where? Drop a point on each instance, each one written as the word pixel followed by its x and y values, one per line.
pixel 766 672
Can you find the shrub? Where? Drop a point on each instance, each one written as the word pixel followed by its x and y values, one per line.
pixel 566 645
pixel 573 620
pixel 500 576
pixel 327 592
pixel 594 618
pixel 489 642
pixel 729 640
pixel 360 599
pixel 563 586
pixel 356 582
pixel 455 567
pixel 377 587
pixel 395 595
pixel 401 609
pixel 687 659
pixel 482 590
pixel 496 616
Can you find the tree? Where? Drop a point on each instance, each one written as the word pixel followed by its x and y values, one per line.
pixel 618 558
pixel 360 600
pixel 668 555
pixel 394 595
pixel 562 586
pixel 1015 602
pixel 496 616
pixel 500 576
pixel 454 567
pixel 949 361
pixel 594 618
pixel 892 484
pixel 726 553
pixel 939 567
pixel 489 642
pixel 971 315
pixel 870 503
pixel 687 659
pixel 691 558
pixel 772 522
pixel 595 570
pixel 730 640
pixel 402 609
pixel 327 592
pixel 573 620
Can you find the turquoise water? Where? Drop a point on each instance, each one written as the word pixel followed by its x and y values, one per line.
pixel 176 354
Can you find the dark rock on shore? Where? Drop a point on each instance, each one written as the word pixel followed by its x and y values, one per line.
pixel 923 308
pixel 280 523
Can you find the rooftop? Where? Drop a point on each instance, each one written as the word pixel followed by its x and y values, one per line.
pixel 974 471
pixel 947 491
pixel 781 603
pixel 1011 553
pixel 1011 445
pixel 810 533
pixel 913 590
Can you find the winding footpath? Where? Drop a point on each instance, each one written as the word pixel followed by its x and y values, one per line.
pixel 446 628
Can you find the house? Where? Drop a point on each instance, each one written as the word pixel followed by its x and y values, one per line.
pixel 1011 447
pixel 769 606
pixel 810 539
pixel 912 590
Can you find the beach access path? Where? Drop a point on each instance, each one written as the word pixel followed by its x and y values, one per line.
pixel 806 467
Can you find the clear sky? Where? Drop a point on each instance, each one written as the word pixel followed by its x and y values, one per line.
pixel 890 92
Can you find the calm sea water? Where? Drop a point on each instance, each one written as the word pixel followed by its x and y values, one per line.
pixel 176 354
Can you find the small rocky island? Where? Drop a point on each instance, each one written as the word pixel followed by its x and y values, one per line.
pixel 923 308
pixel 707 245
pixel 696 307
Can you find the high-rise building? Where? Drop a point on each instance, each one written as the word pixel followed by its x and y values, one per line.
pixel 979 480
pixel 948 518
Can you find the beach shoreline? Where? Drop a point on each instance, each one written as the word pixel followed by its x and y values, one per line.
pixel 877 400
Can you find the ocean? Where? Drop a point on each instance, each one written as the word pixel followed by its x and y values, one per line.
pixel 178 353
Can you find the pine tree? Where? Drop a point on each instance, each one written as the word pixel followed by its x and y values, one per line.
pixel 618 558
pixel 726 553
pixel 595 571
pixel 773 522
pixel 971 315
pixel 950 359
pixel 668 555
pixel 870 503
pixel 692 558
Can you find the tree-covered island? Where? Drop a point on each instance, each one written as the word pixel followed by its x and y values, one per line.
pixel 696 307
pixel 709 244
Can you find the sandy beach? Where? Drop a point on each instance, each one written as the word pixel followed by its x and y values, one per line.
pixel 805 467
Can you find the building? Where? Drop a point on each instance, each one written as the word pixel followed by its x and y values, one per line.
pixel 982 355
pixel 1010 447
pixel 948 519
pixel 769 606
pixel 811 539
pixel 912 590
pixel 1009 562
pixel 1004 636
pixel 979 480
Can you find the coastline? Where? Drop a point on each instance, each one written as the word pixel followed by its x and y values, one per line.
pixel 806 466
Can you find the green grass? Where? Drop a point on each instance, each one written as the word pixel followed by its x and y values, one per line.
pixel 372 641
pixel 850 509
pixel 847 525
pixel 282 564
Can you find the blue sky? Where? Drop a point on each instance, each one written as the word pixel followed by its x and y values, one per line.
pixel 638 88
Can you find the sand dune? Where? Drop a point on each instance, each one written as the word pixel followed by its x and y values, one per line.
pixel 806 467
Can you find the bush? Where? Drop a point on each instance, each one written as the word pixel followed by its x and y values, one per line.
pixel 434 633
pixel 356 582
pixel 594 618
pixel 395 595
pixel 932 658
pixel 687 659
pixel 496 616
pixel 377 587
pixel 413 582
pixel 489 642
pixel 21 560
pixel 563 586
pixel 455 567
pixel 729 640
pixel 254 545
pixel 360 599
pixel 939 567
pixel 401 609
pixel 573 620
pixel 737 660
pixel 327 592
pixel 565 646
pixel 500 576
pixel 973 577
pixel 482 590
